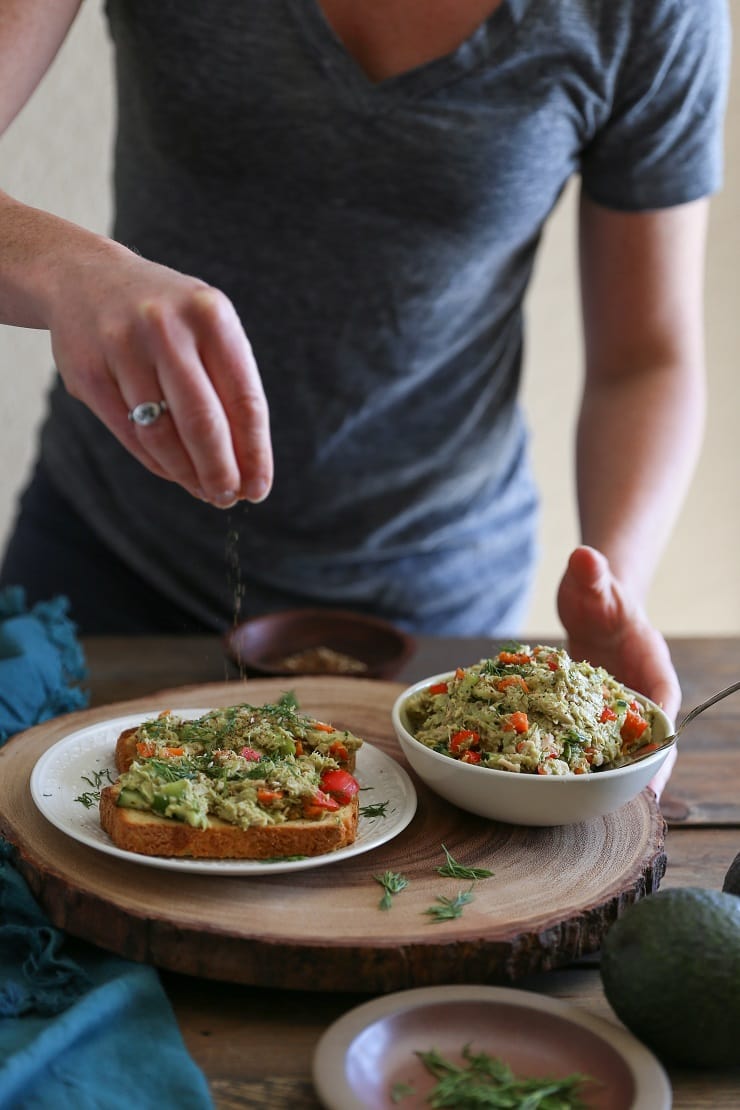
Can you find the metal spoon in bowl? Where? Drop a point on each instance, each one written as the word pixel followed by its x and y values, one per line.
pixel 651 749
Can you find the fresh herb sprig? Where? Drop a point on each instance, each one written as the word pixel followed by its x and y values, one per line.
pixel 454 870
pixel 97 780
pixel 446 908
pixel 486 1081
pixel 374 809
pixel 179 767
pixel 392 883
pixel 281 859
pixel 400 1091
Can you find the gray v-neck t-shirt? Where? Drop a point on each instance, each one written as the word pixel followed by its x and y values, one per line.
pixel 377 240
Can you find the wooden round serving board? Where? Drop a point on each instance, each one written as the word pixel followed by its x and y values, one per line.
pixel 553 894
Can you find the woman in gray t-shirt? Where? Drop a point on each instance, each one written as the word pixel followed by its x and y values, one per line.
pixel 360 189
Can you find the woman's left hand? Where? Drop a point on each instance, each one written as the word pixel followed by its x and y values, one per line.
pixel 610 629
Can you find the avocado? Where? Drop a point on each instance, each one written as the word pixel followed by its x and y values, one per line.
pixel 670 967
pixel 731 884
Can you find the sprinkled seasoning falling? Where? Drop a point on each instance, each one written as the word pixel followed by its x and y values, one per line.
pixel 234 578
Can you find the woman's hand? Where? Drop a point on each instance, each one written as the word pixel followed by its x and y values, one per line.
pixel 127 331
pixel 124 330
pixel 610 629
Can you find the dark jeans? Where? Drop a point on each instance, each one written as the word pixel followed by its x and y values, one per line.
pixel 52 551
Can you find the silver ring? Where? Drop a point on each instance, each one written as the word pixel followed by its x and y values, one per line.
pixel 148 412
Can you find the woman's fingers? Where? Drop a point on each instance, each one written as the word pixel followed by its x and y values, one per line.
pixel 206 373
pixel 228 356
pixel 134 381
pixel 138 333
pixel 95 384
pixel 609 628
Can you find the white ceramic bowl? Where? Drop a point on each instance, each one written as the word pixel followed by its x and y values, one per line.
pixel 527 799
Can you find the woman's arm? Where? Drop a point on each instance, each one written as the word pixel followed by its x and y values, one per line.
pixel 639 429
pixel 125 330
pixel 31 33
pixel 642 412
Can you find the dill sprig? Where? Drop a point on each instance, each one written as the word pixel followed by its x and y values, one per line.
pixel 97 780
pixel 281 859
pixel 178 767
pixel 374 809
pixel 392 883
pixel 454 870
pixel 400 1091
pixel 485 1080
pixel 448 908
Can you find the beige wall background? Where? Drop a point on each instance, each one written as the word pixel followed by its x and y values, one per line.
pixel 57 156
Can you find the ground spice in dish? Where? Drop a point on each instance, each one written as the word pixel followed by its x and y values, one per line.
pixel 319 660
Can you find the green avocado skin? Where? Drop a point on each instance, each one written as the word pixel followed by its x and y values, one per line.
pixel 731 884
pixel 670 967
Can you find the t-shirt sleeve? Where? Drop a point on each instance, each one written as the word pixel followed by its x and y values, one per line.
pixel 661 143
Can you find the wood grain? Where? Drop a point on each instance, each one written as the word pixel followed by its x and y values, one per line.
pixel 282 1030
pixel 553 894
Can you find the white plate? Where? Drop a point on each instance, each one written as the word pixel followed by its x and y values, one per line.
pixel 58 780
pixel 367 1052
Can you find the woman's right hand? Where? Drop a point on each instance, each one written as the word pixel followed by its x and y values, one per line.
pixel 125 331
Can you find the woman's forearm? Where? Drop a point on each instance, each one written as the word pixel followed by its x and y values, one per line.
pixel 637 446
pixel 39 255
pixel 642 411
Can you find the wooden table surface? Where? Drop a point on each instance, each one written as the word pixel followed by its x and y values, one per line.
pixel 255 1046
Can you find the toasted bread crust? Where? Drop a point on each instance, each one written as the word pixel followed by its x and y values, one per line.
pixel 151 835
pixel 126 749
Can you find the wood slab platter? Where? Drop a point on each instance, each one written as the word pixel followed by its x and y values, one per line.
pixel 553 894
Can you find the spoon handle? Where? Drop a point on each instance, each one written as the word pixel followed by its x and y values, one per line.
pixel 669 741
pixel 705 705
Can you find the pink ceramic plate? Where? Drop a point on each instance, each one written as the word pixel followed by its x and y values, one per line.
pixel 370 1053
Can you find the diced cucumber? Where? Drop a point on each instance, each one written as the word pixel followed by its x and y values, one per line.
pixel 131 799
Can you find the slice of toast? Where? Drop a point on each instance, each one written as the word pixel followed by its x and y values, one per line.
pixel 148 834
pixel 284 753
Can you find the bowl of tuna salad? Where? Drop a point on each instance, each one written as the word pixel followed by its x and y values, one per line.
pixel 530 736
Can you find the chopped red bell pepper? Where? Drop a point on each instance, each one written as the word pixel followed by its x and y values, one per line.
pixel 607 714
pixel 340 785
pixel 517 722
pixel 633 727
pixel 267 797
pixel 463 739
pixel 512 680
pixel 315 806
pixel 338 751
pixel 438 688
pixel 470 756
pixel 512 657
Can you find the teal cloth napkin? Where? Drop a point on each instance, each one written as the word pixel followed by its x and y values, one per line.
pixel 79 1029
pixel 41 662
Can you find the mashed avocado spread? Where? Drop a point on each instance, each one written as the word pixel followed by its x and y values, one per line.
pixel 247 765
pixel 531 710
